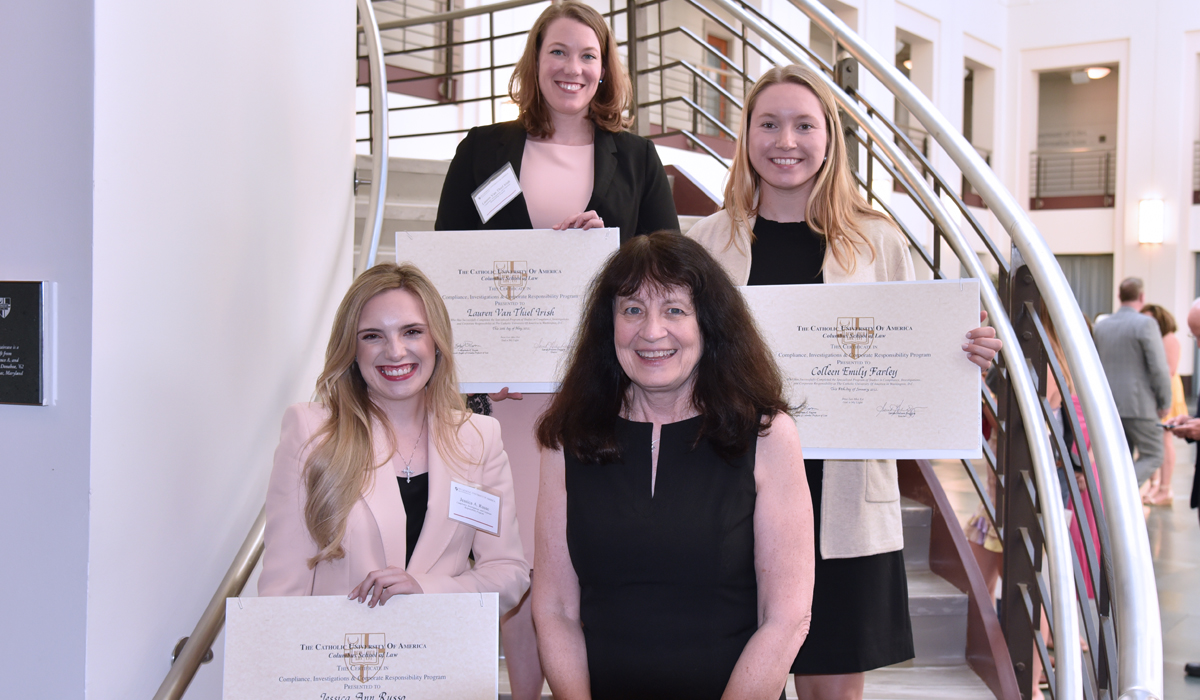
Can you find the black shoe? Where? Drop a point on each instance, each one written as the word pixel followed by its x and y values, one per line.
pixel 1192 670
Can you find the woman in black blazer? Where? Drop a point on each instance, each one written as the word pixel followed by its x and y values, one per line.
pixel 572 91
pixel 630 190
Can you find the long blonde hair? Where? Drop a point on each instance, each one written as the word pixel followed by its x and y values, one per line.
pixel 835 208
pixel 336 472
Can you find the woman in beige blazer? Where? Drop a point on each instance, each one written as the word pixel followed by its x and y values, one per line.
pixel 792 200
pixel 359 496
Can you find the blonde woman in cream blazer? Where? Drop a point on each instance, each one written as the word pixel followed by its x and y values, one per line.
pixel 860 513
pixel 792 196
pixel 375 528
pixel 369 467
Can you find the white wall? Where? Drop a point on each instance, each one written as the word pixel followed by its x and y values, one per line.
pixel 223 215
pixel 46 234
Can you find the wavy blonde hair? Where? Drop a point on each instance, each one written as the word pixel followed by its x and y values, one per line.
pixel 613 96
pixel 336 472
pixel 835 208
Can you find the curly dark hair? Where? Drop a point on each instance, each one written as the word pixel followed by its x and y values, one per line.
pixel 738 388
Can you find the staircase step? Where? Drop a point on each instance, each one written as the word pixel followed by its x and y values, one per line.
pixel 900 682
pixel 911 682
pixel 686 222
pixel 916 518
pixel 939 619
pixel 409 179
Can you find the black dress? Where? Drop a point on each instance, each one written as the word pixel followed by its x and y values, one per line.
pixel 860 605
pixel 668 596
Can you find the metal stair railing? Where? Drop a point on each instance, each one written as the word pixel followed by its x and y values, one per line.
pixel 373 226
pixel 1098 557
pixel 1063 611
pixel 1135 600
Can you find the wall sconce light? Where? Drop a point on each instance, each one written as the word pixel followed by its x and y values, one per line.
pixel 1150 221
pixel 1098 72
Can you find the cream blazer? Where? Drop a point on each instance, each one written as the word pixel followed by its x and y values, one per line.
pixel 375 529
pixel 860 500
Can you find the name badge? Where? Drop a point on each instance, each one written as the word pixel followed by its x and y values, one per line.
pixel 474 506
pixel 497 191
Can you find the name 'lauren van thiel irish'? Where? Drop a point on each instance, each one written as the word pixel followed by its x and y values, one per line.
pixel 512 313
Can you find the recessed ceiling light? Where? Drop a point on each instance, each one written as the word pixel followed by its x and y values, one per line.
pixel 908 64
pixel 1098 72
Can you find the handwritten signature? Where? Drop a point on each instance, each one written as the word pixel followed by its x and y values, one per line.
pixel 898 410
pixel 465 346
pixel 551 345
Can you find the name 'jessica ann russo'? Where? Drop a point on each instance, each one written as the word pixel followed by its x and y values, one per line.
pixel 862 371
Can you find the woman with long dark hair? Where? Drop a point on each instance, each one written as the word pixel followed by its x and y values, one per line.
pixel 674 526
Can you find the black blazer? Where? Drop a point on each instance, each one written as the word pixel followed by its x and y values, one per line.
pixel 630 190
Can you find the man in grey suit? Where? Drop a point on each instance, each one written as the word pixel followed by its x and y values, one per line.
pixel 1131 350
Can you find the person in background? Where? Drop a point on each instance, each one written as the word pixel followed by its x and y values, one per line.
pixel 358 499
pixel 791 201
pixel 1131 350
pixel 579 168
pixel 1188 428
pixel 1159 491
pixel 674 525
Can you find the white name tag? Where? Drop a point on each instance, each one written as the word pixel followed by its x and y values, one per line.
pixel 498 190
pixel 475 507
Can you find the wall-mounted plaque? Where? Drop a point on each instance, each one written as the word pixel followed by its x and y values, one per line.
pixel 21 338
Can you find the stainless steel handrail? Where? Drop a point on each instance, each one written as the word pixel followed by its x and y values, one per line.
pixel 1058 546
pixel 1139 628
pixel 210 623
pixel 373 225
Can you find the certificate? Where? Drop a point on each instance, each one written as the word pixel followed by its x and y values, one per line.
pixel 416 647
pixel 514 298
pixel 877 370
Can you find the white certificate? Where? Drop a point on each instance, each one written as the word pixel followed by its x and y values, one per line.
pixel 878 369
pixel 419 647
pixel 514 298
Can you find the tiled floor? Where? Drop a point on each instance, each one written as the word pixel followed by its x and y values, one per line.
pixel 1175 546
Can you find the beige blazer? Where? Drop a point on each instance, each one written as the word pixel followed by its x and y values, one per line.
pixel 375 529
pixel 860 500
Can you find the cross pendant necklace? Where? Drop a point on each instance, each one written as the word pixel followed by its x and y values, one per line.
pixel 407 471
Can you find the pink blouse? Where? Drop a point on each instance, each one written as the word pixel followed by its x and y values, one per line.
pixel 557 181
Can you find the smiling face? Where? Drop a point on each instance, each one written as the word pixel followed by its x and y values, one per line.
pixel 787 140
pixel 658 341
pixel 395 352
pixel 569 67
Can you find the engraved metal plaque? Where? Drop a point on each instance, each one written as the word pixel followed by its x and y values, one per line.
pixel 22 326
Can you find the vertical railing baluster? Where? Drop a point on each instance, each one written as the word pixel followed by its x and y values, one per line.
pixel 492 63
pixel 1017 508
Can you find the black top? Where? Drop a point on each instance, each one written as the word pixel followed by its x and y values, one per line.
pixel 668 595
pixel 860 615
pixel 630 189
pixel 789 253
pixel 415 494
